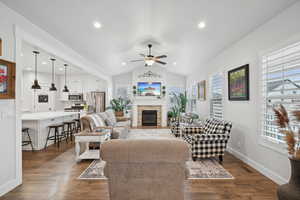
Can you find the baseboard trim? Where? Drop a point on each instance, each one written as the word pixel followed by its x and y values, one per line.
pixel 259 167
pixel 5 188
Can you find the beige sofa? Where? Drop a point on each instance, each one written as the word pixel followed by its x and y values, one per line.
pixel 106 120
pixel 145 169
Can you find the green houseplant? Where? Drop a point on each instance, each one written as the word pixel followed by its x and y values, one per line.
pixel 119 105
pixel 180 101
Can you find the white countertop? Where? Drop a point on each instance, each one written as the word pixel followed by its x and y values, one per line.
pixel 46 115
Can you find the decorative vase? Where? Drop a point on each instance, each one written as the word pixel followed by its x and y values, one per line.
pixel 291 190
pixel 119 113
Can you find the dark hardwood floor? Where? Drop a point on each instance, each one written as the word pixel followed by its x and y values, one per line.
pixel 52 174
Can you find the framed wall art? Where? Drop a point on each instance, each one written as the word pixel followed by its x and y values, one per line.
pixel 238 84
pixel 202 90
pixel 7 79
pixel 0 46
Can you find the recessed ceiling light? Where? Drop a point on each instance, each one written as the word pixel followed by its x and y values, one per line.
pixel 97 25
pixel 202 25
pixel 28 68
pixel 44 62
pixel 61 69
pixel 22 54
pixel 174 63
pixel 123 63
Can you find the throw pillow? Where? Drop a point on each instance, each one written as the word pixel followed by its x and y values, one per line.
pixel 111 116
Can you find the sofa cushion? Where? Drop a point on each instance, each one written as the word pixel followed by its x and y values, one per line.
pixel 213 126
pixel 123 123
pixel 103 115
pixel 119 133
pixel 111 119
pixel 96 121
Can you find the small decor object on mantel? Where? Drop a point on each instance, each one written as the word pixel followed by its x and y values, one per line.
pixel 202 90
pixel 134 90
pixel 238 84
pixel 7 79
pixel 163 90
pixel 291 190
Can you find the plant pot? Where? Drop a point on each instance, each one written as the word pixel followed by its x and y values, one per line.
pixel 119 113
pixel 291 190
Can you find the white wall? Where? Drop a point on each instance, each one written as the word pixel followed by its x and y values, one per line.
pixel 7 111
pixel 13 29
pixel 167 78
pixel 129 79
pixel 245 137
pixel 122 81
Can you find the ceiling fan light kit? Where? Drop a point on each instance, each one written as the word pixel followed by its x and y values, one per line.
pixel 150 59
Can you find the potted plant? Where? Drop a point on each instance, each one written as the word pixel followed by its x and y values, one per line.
pixel 291 190
pixel 180 101
pixel 119 105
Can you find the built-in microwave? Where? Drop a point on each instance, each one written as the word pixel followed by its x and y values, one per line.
pixel 75 97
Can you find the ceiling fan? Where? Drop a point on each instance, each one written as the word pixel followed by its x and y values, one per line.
pixel 150 59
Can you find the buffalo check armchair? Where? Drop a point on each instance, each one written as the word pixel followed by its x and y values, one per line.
pixel 210 140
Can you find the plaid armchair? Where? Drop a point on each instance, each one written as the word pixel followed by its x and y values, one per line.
pixel 210 140
pixel 174 126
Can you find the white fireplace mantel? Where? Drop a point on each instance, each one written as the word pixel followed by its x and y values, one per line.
pixel 149 101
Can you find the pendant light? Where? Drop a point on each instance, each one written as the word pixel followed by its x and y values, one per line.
pixel 65 88
pixel 36 82
pixel 52 88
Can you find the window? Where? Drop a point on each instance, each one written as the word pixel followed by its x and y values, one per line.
pixel 216 100
pixel 281 85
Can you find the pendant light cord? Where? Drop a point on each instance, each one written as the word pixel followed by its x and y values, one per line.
pixel 52 59
pixel 66 74
pixel 35 73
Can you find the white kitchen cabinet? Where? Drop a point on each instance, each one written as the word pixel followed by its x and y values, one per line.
pixel 75 86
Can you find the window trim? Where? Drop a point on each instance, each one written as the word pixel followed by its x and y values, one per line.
pixel 264 141
pixel 211 94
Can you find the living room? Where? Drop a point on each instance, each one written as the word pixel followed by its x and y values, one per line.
pixel 191 106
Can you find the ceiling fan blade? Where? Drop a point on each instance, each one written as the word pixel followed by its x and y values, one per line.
pixel 162 56
pixel 137 60
pixel 143 55
pixel 160 62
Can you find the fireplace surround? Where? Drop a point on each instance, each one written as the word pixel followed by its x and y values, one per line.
pixel 149 118
pixel 152 114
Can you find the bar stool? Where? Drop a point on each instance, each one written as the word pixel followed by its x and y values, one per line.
pixel 77 125
pixel 28 141
pixel 57 135
pixel 70 129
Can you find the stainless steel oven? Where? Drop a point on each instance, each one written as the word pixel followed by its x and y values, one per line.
pixel 75 97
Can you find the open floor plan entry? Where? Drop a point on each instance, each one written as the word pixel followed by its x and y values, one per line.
pixel 150 100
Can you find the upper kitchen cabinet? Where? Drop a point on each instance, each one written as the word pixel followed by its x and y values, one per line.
pixel 75 86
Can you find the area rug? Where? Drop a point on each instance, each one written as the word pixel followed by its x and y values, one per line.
pixel 150 134
pixel 202 169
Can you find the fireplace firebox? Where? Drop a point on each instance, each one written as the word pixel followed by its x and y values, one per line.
pixel 149 118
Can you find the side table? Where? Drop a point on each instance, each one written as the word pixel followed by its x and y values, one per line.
pixel 82 141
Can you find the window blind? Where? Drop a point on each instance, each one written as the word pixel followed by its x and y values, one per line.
pixel 281 85
pixel 216 101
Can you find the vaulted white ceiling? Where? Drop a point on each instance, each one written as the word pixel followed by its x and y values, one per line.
pixel 129 25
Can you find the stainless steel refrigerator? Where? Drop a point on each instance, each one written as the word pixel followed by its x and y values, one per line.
pixel 96 101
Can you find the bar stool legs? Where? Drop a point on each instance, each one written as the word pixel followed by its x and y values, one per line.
pixel 70 129
pixel 57 136
pixel 29 141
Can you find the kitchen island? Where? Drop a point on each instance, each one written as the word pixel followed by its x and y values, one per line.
pixel 38 125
